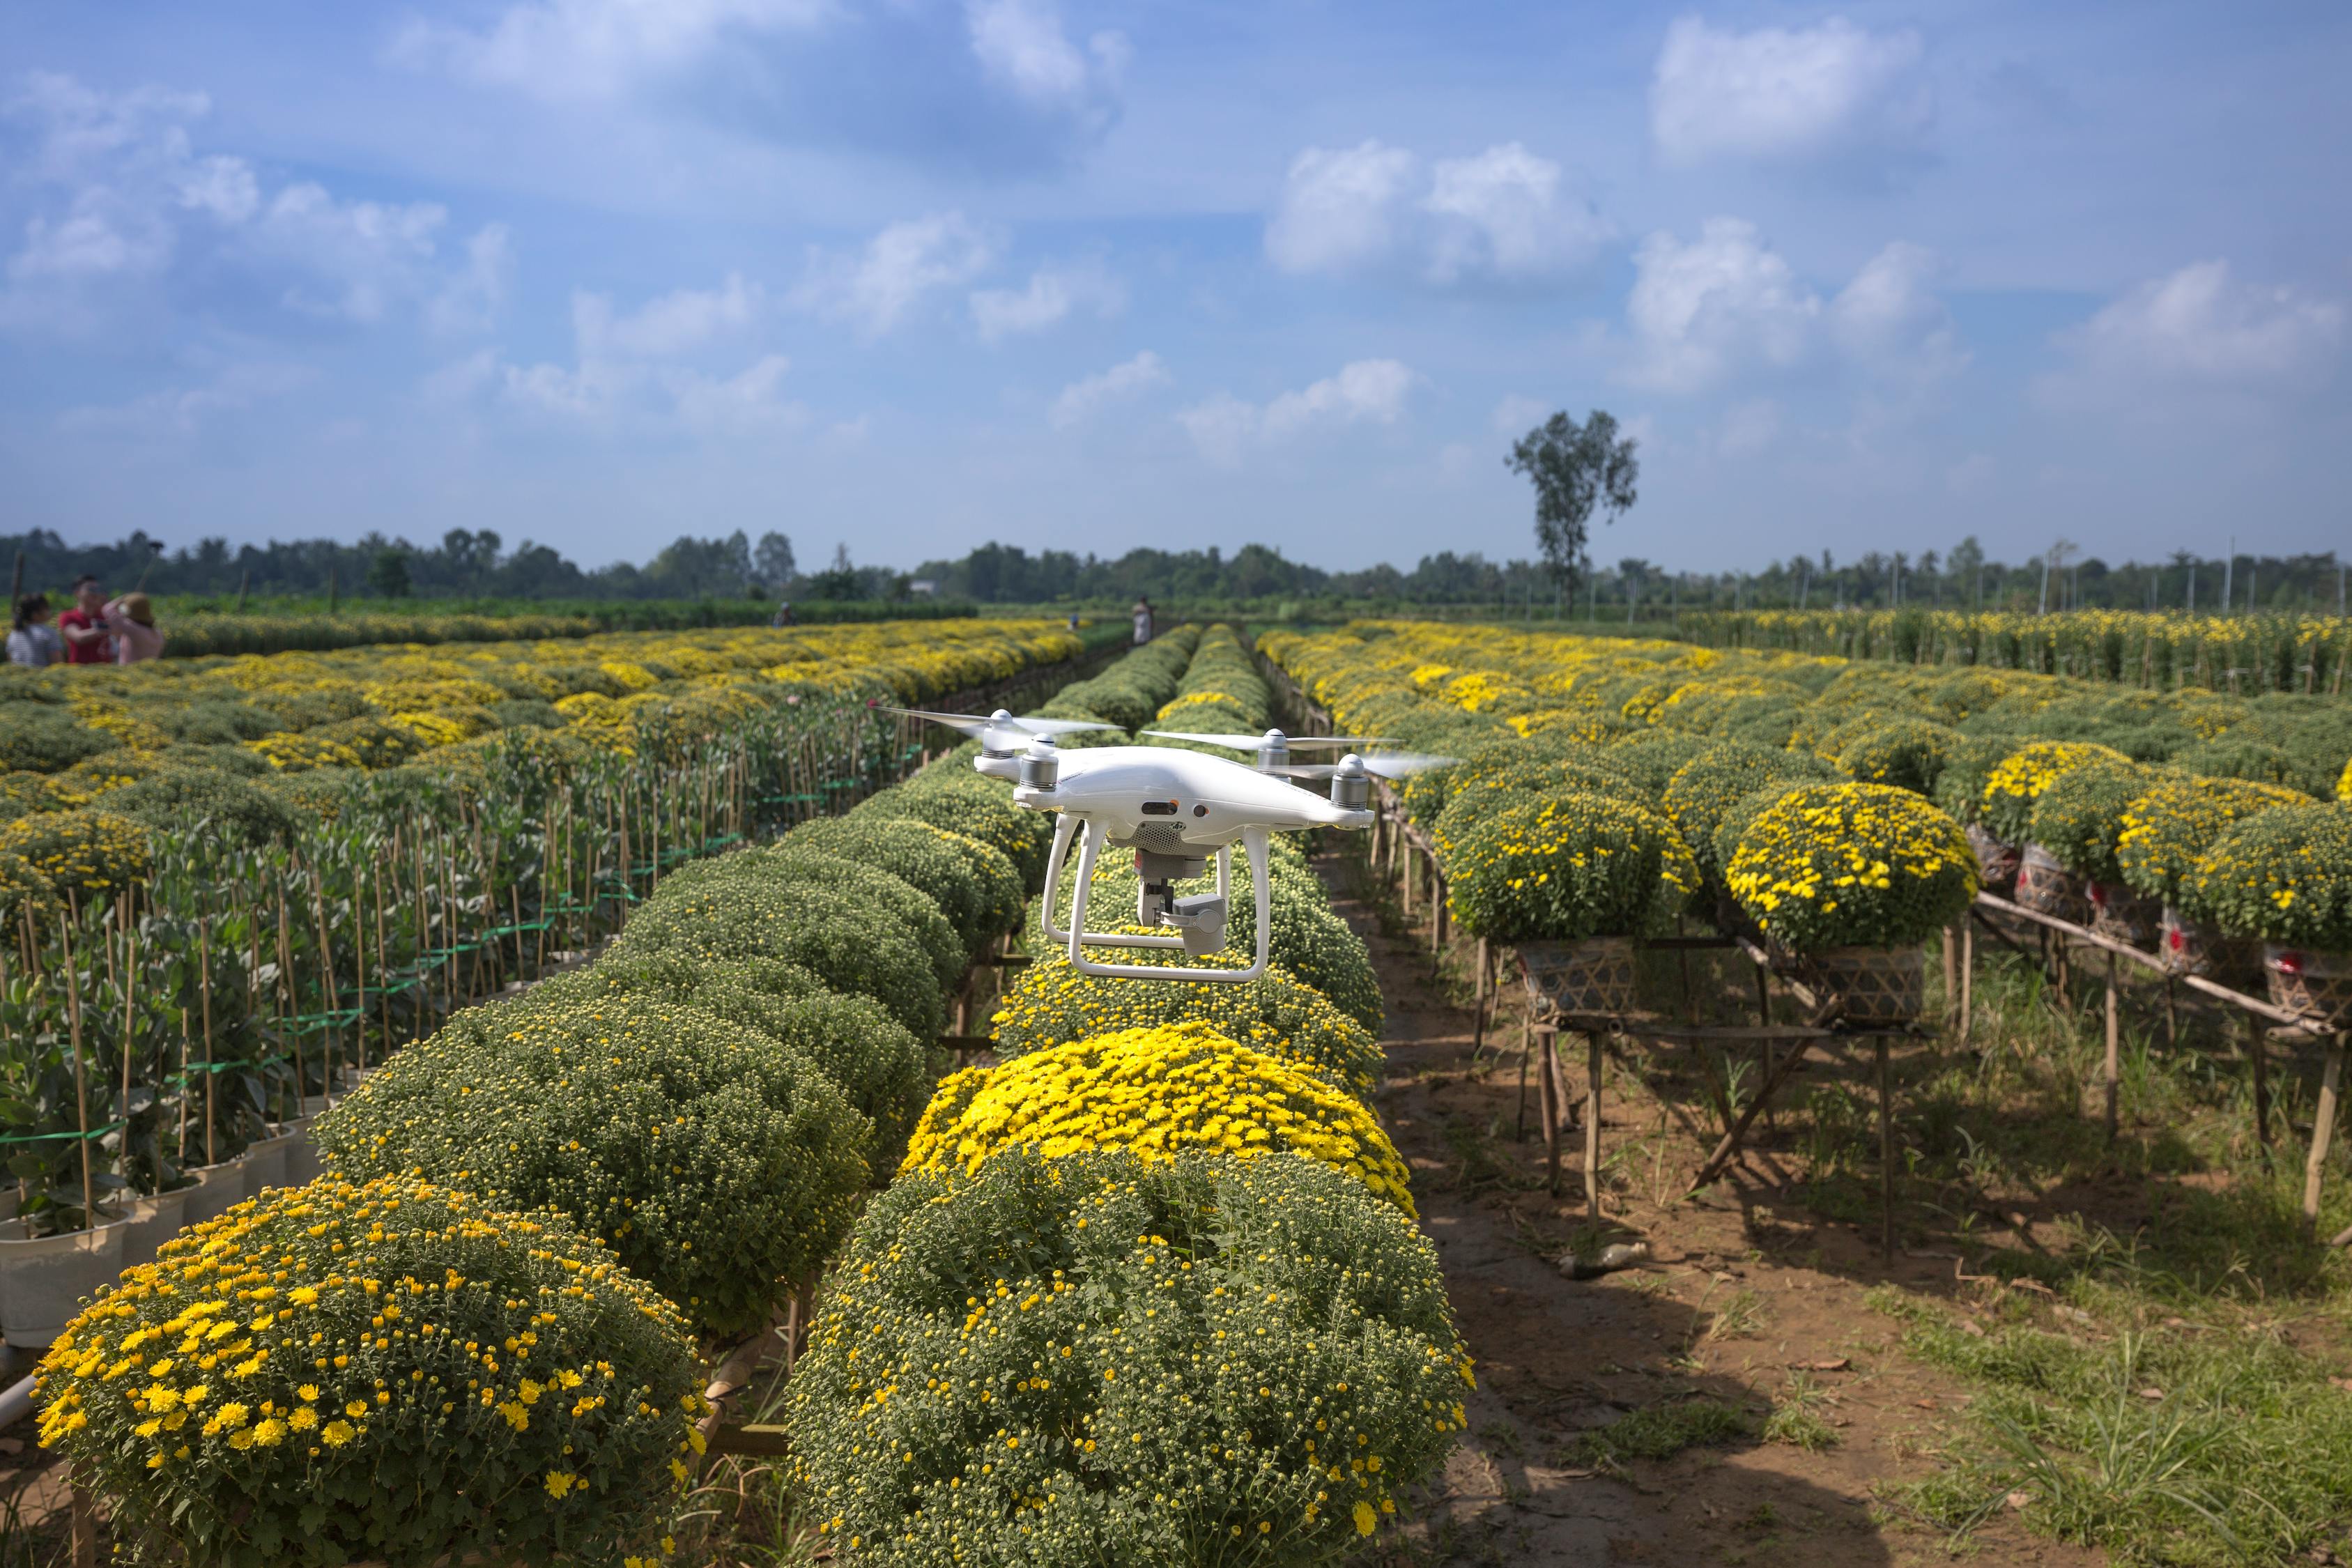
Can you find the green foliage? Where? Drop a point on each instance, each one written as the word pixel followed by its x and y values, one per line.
pixel 1052 1003
pixel 1706 789
pixel 1571 867
pixel 2166 830
pixel 1662 1431
pixel 1968 767
pixel 2079 817
pixel 977 887
pixel 1094 1359
pixel 393 1371
pixel 868 883
pixel 882 1071
pixel 716 1162
pixel 2281 876
pixel 1909 754
pixel 949 794
pixel 40 739
pixel 2016 781
pixel 216 804
pixel 1855 865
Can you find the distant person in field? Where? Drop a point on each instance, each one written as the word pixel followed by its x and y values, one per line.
pixel 131 619
pixel 784 615
pixel 1142 614
pixel 83 627
pixel 32 641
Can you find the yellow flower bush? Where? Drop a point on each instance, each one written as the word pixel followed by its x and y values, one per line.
pixel 2282 876
pixel 1569 867
pixel 1159 1092
pixel 1853 865
pixel 395 1371
pixel 87 854
pixel 1094 1358
pixel 2167 829
pixel 2020 779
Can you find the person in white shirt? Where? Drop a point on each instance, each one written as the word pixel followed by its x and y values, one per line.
pixel 31 639
pixel 1142 614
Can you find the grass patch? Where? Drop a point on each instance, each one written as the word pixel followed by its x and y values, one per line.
pixel 1660 1432
pixel 1797 1419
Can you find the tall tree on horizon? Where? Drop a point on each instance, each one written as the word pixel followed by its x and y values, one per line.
pixel 1574 468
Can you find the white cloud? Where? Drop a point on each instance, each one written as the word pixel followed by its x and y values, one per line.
pixel 178 413
pixel 665 328
pixel 1515 415
pixel 2201 326
pixel 1726 305
pixel 1749 429
pixel 1227 429
pixel 1019 45
pixel 1781 94
pixel 589 50
pixel 120 196
pixel 879 286
pixel 1054 292
pixel 1083 398
pixel 1499 217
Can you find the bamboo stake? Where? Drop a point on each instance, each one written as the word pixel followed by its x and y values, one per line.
pixel 2114 1065
pixel 1592 1123
pixel 2259 1046
pixel 1886 1149
pixel 81 1089
pixel 2323 1129
pixel 205 990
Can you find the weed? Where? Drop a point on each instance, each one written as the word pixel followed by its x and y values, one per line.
pixel 1797 1418
pixel 1660 1432
pixel 1741 1317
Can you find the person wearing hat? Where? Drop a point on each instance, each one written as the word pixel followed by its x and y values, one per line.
pixel 131 619
pixel 31 639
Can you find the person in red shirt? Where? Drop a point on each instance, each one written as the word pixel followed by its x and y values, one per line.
pixel 84 627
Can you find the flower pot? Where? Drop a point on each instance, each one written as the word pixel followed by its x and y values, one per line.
pixel 1997 862
pixel 1595 975
pixel 151 1221
pixel 2315 986
pixel 2187 947
pixel 302 1155
pixel 264 1159
pixel 45 1279
pixel 1874 984
pixel 2047 887
pixel 218 1188
pixel 2121 914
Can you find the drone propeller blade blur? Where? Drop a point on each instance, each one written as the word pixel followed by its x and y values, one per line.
pixel 1396 765
pixel 1256 742
pixel 1006 734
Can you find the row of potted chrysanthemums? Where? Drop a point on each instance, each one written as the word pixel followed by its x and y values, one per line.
pixel 1847 813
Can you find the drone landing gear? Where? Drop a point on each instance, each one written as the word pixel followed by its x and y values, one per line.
pixel 1200 920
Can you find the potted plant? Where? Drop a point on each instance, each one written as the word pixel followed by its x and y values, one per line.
pixel 2076 822
pixel 2165 832
pixel 1852 878
pixel 2015 784
pixel 1960 791
pixel 1570 881
pixel 2283 878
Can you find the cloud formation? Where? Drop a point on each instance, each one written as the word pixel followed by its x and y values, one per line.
pixel 879 286
pixel 1726 307
pixel 1087 396
pixel 2195 336
pixel 1052 294
pixel 594 49
pixel 1225 429
pixel 1372 210
pixel 1784 95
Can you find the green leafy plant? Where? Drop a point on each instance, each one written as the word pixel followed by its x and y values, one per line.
pixel 2019 779
pixel 2165 830
pixel 1705 790
pixel 1909 754
pixel 719 1165
pixel 2079 818
pixel 976 886
pixel 1569 867
pixel 395 1371
pixel 1854 865
pixel 2280 876
pixel 1094 1359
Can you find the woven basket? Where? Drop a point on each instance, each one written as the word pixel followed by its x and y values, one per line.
pixel 1875 985
pixel 1996 861
pixel 2315 986
pixel 2047 887
pixel 2118 912
pixel 2188 948
pixel 1595 975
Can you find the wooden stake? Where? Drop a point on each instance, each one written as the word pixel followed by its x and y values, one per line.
pixel 1967 979
pixel 1951 974
pixel 81 1090
pixel 1526 1052
pixel 2323 1129
pixel 1549 1093
pixel 2114 1069
pixel 1482 984
pixel 205 992
pixel 2260 1045
pixel 1592 1123
pixel 1885 1150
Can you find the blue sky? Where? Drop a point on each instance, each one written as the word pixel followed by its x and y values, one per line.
pixel 913 274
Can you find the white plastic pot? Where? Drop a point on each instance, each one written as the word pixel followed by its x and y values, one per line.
pixel 264 1159
pixel 45 1279
pixel 218 1188
pixel 151 1221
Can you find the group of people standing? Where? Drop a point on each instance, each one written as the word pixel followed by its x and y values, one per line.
pixel 96 630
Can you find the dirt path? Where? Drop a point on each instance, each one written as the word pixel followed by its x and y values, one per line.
pixel 1744 1298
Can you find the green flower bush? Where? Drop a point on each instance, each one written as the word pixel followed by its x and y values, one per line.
pixel 718 1165
pixel 1052 1004
pixel 915 910
pixel 84 855
pixel 1909 754
pixel 977 887
pixel 396 1372
pixel 1706 789
pixel 2019 779
pixel 881 1069
pixel 2079 816
pixel 1569 867
pixel 2282 875
pixel 949 794
pixel 2165 831
pixel 1968 768
pixel 1854 865
pixel 218 805
pixel 801 915
pixel 1093 1358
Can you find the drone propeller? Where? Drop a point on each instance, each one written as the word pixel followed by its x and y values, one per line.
pixel 1396 765
pixel 1256 742
pixel 1000 730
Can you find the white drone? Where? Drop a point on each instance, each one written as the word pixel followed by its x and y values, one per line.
pixel 1175 810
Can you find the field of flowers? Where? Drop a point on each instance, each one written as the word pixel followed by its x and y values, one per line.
pixel 226 884
pixel 2155 650
pixel 1147 1290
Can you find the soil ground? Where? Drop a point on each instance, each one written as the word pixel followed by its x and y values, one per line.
pixel 1745 1292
